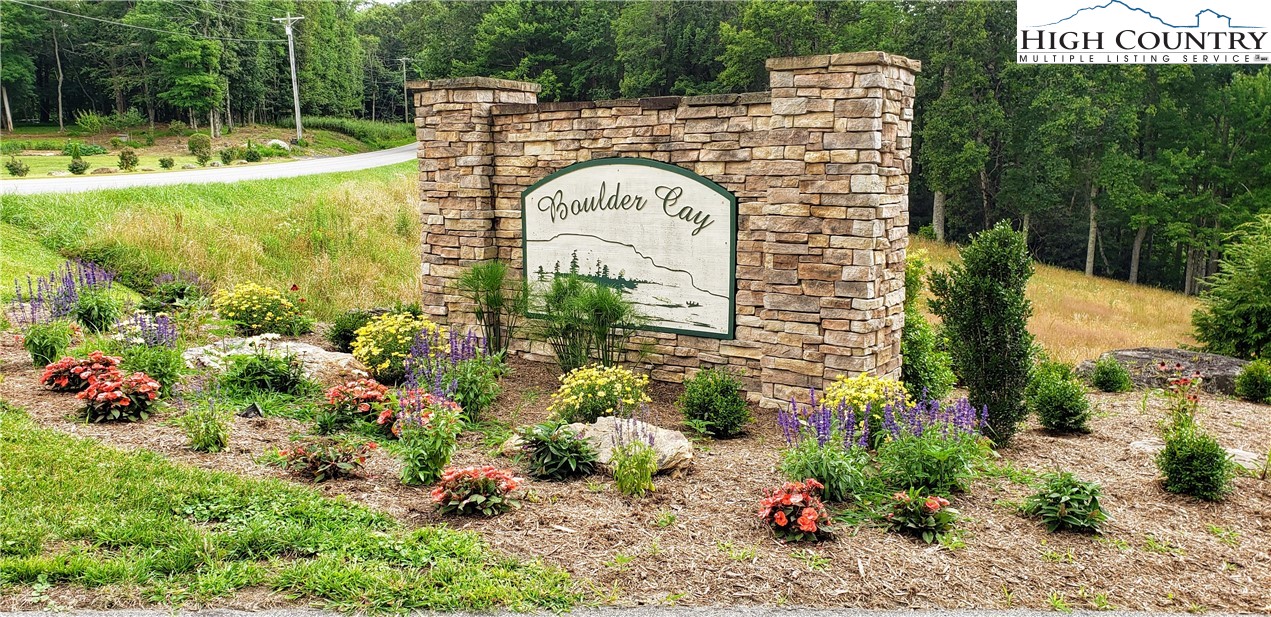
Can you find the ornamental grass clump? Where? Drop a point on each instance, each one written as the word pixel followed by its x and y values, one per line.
pixel 794 511
pixel 74 374
pixel 255 309
pixel 482 490
pixel 713 403
pixel 590 392
pixel 586 322
pixel 829 445
pixel 928 517
pixel 633 460
pixel 458 365
pixel 206 427
pixel 1064 501
pixel 325 458
pixel 499 301
pixel 553 451
pixel 383 345
pixel 113 396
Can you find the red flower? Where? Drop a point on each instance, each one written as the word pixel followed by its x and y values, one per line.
pixel 780 518
pixel 932 504
pixel 295 287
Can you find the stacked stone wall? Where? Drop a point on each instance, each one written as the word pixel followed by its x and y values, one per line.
pixel 819 166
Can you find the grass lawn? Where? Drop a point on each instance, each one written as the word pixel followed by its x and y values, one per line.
pixel 138 527
pixel 349 240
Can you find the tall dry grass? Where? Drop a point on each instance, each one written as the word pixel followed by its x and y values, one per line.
pixel 1076 317
pixel 348 240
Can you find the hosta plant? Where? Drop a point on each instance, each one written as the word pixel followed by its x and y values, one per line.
pixel 794 511
pixel 112 396
pixel 590 392
pixel 554 452
pixel 927 517
pixel 476 490
pixel 324 458
pixel 1067 502
pixel 73 374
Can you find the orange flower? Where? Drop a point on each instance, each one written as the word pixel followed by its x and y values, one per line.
pixel 780 518
pixel 932 504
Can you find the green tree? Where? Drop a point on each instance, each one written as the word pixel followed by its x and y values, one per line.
pixel 765 30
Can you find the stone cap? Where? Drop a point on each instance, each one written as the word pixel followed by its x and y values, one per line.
pixel 472 83
pixel 652 102
pixel 852 58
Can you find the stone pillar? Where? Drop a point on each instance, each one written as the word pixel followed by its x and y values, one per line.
pixel 456 167
pixel 848 258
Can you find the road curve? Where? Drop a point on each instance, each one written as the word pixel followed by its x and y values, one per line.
pixel 352 162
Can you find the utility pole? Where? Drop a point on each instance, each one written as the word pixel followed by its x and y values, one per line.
pixel 295 86
pixel 405 95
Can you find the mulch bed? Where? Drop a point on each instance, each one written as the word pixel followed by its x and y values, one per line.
pixel 717 553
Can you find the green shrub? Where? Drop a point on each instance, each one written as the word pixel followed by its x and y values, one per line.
pixel 127 159
pixel 475 384
pixel 1254 382
pixel 1058 399
pixel 17 168
pixel 1235 316
pixel 1109 375
pixel 46 342
pixel 12 147
pixel 206 427
pixel 499 301
pixel 167 162
pixel 376 134
pixel 90 122
pixel 343 331
pixel 985 311
pixel 554 452
pixel 590 392
pixel 96 309
pixel 78 166
pixel 1194 463
pixel 172 293
pixel 231 154
pixel 939 459
pixel 925 368
pixel 265 371
pixel 425 446
pixel 77 149
pixel 714 404
pixel 1067 502
pixel 844 471
pixel 200 145
pixel 164 364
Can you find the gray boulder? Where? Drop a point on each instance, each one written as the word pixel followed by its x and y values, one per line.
pixel 325 367
pixel 1219 372
pixel 103 170
pixel 674 450
pixel 279 143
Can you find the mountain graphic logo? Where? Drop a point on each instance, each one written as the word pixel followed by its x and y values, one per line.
pixel 1198 15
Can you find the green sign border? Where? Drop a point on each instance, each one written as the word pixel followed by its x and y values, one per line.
pixel 707 182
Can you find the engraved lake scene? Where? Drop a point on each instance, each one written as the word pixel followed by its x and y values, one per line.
pixel 659 233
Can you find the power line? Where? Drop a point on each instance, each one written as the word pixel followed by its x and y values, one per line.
pixel 120 23
pixel 191 6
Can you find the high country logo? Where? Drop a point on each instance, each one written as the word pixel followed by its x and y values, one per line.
pixel 1167 32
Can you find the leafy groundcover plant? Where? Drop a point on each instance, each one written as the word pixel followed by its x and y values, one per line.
pixel 590 392
pixel 927 517
pixel 323 458
pixel 794 512
pixel 553 451
pixel 1066 502
pixel 483 490
pixel 74 374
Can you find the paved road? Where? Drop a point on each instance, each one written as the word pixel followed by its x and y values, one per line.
pixel 643 611
pixel 352 162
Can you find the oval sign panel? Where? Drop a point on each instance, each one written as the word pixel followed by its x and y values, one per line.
pixel 664 236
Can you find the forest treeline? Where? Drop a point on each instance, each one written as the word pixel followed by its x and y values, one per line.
pixel 1139 172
